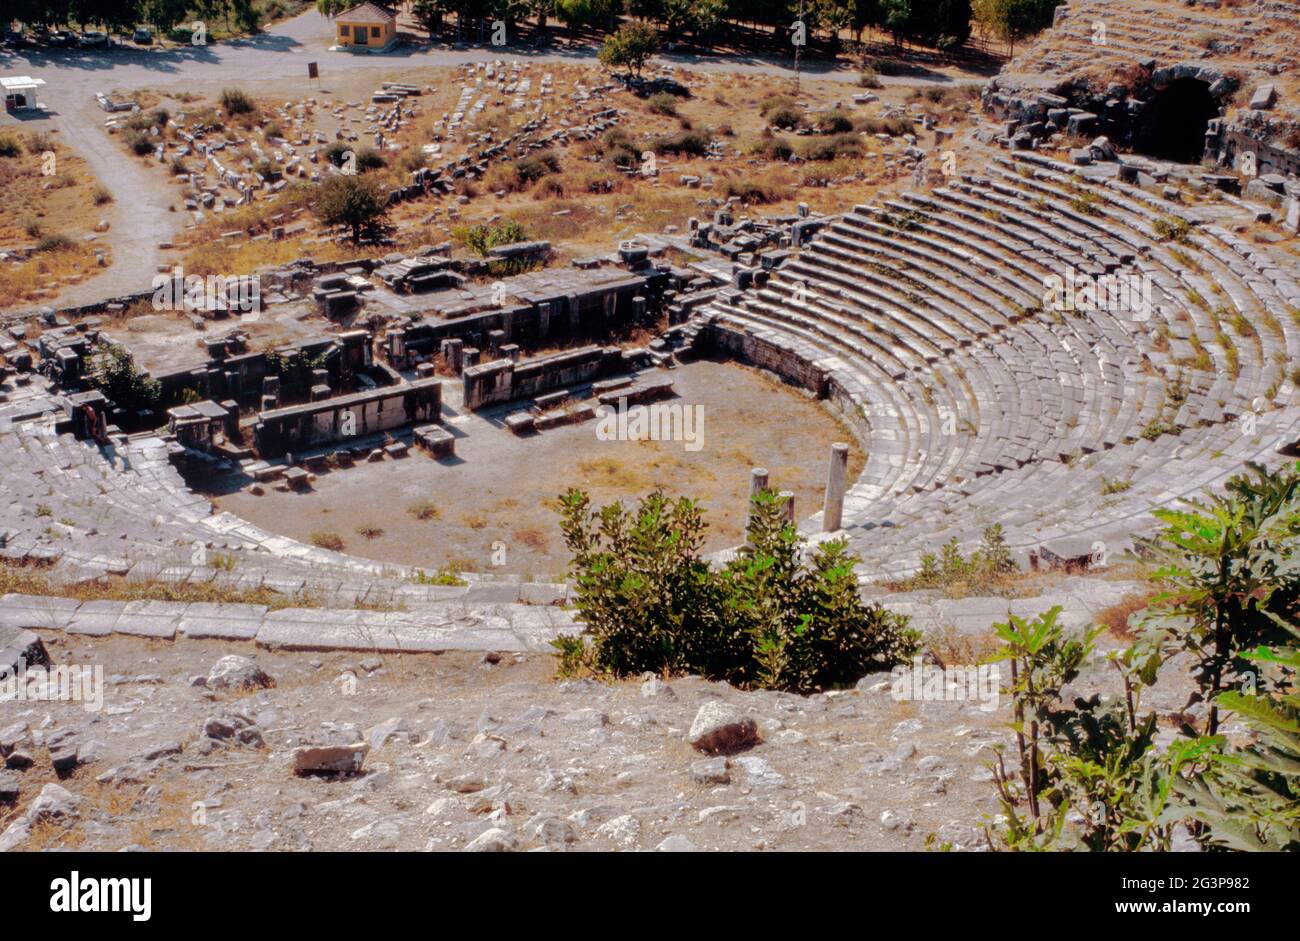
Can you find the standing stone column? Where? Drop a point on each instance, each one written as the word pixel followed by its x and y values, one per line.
pixel 452 350
pixel 836 474
pixel 757 484
pixel 787 506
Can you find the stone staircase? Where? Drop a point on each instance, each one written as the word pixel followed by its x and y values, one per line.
pixel 922 321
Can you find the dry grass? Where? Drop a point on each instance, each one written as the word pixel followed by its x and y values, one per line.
pixel 59 201
pixel 953 648
pixel 44 274
pixel 1115 619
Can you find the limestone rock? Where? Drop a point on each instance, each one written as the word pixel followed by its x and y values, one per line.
pixel 676 844
pixel 495 840
pixel 236 672
pixel 721 729
pixel 710 771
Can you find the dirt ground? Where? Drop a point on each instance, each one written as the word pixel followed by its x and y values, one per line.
pixel 560 208
pixel 51 198
pixel 499 492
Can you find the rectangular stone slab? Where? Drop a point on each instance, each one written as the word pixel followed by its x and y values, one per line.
pixel 222 621
pixel 96 618
pixel 37 612
pixel 151 619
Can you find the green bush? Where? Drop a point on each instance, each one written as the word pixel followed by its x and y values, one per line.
pixel 114 373
pixel 662 103
pixel 771 619
pixel 620 148
pixel 829 148
pixel 786 117
pixel 773 147
pixel 532 168
pixel 141 144
pixel 690 143
pixel 833 121
pixel 54 242
pixel 479 238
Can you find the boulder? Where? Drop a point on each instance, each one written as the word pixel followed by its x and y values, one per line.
pixel 710 771
pixel 722 729
pixel 236 672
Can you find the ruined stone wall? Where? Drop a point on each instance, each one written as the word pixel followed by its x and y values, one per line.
pixel 503 380
pixel 347 416
pixel 784 361
pixel 590 311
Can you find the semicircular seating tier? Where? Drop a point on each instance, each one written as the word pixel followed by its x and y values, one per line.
pixel 923 321
pixel 80 512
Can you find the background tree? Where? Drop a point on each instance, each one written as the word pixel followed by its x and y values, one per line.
pixel 331 8
pixel 357 203
pixel 631 47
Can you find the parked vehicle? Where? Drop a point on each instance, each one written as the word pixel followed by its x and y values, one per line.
pixel 142 36
pixel 61 38
pixel 93 38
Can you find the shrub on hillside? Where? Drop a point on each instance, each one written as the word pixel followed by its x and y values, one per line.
pixel 771 618
pixel 829 148
pixel 662 103
pixel 236 101
pixel 687 143
pixel 479 238
pixel 833 121
pixel 532 168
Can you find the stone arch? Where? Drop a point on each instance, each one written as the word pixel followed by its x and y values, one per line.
pixel 1175 120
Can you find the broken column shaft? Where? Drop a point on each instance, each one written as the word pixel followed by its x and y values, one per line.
pixel 836 476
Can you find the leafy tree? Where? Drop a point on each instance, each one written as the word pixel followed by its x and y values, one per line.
pixel 357 203
pixel 429 14
pixel 1249 798
pixel 631 47
pixel 114 373
pixel 770 618
pixel 165 15
pixel 1010 20
pixel 332 8
pixel 577 14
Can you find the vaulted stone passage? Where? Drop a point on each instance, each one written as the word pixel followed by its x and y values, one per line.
pixel 1175 121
